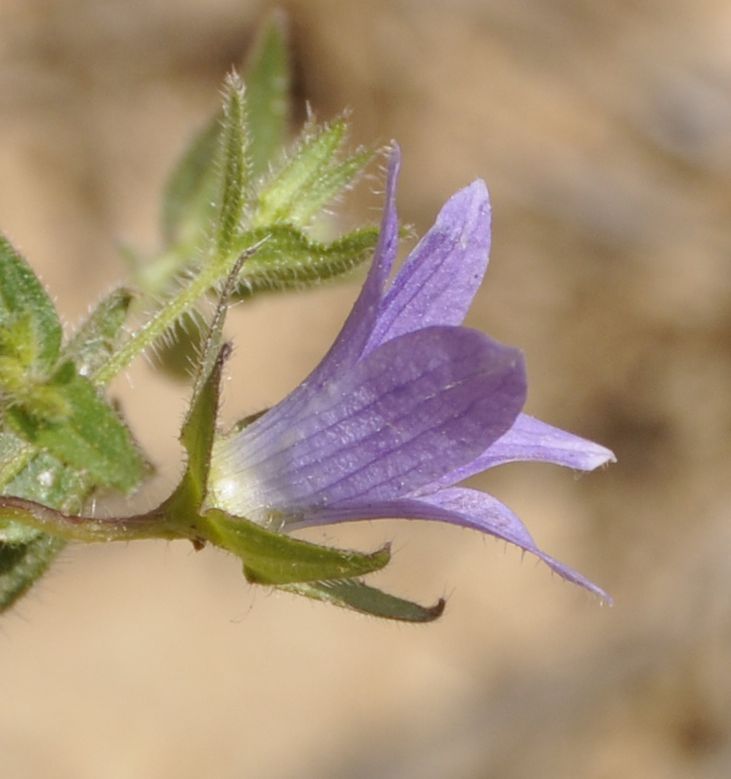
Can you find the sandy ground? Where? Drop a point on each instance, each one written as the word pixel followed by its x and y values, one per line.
pixel 604 133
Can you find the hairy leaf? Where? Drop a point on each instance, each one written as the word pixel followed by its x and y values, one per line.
pixel 89 437
pixel 267 92
pixel 97 338
pixel 22 564
pixel 234 156
pixel 315 152
pixel 288 258
pixel 28 319
pixel 327 185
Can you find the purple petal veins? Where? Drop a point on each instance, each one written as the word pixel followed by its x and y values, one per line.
pixel 406 403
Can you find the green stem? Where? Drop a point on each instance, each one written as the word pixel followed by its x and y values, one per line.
pixel 161 321
pixel 71 527
pixel 211 273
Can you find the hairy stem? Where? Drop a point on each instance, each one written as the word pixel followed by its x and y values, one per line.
pixel 71 527
pixel 211 274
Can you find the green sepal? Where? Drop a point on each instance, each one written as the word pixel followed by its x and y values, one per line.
pixel 187 207
pixel 288 258
pixel 197 436
pixel 27 315
pixel 89 436
pixel 268 557
pixel 98 336
pixel 303 167
pixel 199 427
pixel 234 142
pixel 357 596
pixel 267 78
pixel 273 558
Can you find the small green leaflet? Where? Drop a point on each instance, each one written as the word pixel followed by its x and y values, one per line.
pixel 98 336
pixel 288 258
pixel 32 331
pixel 22 565
pixel 89 437
pixel 315 151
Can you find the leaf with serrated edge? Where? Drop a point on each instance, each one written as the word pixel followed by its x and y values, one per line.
pixel 357 596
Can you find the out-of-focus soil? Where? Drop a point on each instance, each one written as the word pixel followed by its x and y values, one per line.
pixel 604 133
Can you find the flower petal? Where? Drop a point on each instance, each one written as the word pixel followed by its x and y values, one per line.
pixel 530 440
pixel 440 277
pixel 350 342
pixel 421 404
pixel 456 506
pixel 356 331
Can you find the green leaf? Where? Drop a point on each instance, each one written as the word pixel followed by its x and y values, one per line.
pixel 22 564
pixel 288 258
pixel 26 553
pixel 15 454
pixel 273 558
pixel 234 155
pixel 267 92
pixel 330 183
pixel 47 480
pixel 188 206
pixel 31 325
pixel 89 437
pixel 96 339
pixel 357 596
pixel 305 165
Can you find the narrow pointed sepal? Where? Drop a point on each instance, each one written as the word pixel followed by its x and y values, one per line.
pixel 273 558
pixel 357 596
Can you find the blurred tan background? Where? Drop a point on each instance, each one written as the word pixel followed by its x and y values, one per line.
pixel 604 133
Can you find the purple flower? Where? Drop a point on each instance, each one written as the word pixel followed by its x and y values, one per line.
pixel 406 404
